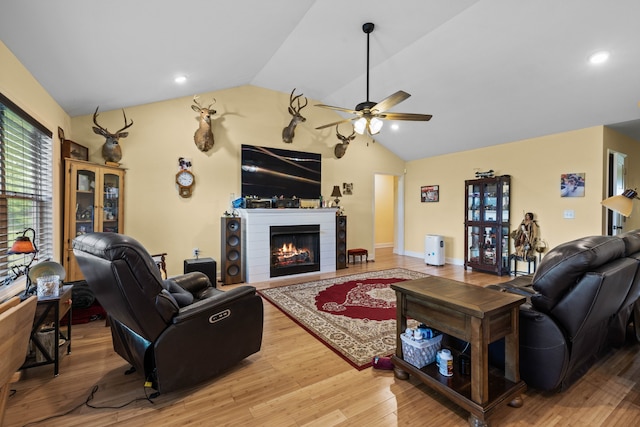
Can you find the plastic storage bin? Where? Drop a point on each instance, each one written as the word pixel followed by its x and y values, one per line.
pixel 422 352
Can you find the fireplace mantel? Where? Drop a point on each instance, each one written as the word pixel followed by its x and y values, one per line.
pixel 256 242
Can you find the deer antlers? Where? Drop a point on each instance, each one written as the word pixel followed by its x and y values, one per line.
pixel 111 151
pixel 289 132
pixel 104 131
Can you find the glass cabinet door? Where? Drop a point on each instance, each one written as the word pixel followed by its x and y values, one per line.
pixel 473 237
pixel 111 203
pixel 473 213
pixel 489 246
pixel 490 202
pixel 505 247
pixel 85 196
pixel 505 204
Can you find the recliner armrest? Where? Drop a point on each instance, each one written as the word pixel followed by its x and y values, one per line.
pixel 195 282
pixel 205 306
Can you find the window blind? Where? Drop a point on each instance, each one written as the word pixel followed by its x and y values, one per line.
pixel 26 186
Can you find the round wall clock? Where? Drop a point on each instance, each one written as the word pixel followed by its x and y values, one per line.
pixel 185 181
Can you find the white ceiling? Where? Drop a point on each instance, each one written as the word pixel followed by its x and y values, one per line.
pixel 490 71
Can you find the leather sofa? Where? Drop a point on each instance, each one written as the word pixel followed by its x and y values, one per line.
pixel 177 332
pixel 580 303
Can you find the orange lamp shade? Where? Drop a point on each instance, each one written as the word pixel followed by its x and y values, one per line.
pixel 23 245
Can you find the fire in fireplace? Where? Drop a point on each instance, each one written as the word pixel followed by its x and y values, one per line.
pixel 294 249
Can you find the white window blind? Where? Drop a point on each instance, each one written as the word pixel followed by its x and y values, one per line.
pixel 25 185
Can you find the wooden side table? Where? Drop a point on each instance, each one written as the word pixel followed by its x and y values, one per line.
pixel 476 315
pixel 51 310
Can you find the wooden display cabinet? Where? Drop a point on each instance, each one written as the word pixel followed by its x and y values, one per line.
pixel 94 201
pixel 487 224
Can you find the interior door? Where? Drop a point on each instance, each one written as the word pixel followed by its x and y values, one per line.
pixel 615 221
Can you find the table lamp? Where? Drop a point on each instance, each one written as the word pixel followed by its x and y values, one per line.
pixel 336 193
pixel 24 246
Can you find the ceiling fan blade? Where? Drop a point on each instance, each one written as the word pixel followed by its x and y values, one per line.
pixel 390 101
pixel 405 116
pixel 335 123
pixel 346 110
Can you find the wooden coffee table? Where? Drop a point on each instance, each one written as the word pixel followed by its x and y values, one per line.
pixel 476 315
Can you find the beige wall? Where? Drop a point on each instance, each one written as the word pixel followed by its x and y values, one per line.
pixel 163 132
pixel 17 84
pixel 384 210
pixel 535 166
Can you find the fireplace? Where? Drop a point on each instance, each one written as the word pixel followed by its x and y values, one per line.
pixel 294 249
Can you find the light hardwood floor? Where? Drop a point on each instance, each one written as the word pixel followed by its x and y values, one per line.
pixel 296 381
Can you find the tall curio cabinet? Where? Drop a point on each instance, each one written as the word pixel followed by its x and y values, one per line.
pixel 94 196
pixel 487 224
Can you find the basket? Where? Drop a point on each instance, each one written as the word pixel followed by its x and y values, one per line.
pixel 420 353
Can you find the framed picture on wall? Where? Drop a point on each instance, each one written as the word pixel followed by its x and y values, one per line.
pixel 572 185
pixel 430 193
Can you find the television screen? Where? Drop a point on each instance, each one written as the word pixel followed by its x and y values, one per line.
pixel 274 172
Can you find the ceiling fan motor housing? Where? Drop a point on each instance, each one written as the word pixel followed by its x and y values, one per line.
pixel 367 105
pixel 368 27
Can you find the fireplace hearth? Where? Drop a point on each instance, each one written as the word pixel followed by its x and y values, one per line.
pixel 294 249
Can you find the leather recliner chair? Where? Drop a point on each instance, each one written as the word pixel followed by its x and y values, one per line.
pixel 177 332
pixel 579 288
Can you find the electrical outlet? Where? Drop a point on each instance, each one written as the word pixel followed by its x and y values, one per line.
pixel 196 252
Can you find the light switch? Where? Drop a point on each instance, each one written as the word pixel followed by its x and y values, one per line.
pixel 569 214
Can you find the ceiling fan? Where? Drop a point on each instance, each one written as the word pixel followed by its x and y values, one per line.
pixel 368 115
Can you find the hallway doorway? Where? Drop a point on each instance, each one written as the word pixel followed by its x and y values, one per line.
pixel 388 227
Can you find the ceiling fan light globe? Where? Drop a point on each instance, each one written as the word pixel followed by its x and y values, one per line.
pixel 360 125
pixel 375 125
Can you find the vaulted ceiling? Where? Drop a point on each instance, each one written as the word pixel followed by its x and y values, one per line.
pixel 490 71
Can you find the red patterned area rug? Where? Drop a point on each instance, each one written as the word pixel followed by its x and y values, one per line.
pixel 353 315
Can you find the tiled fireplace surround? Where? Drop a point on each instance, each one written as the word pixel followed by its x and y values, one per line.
pixel 256 240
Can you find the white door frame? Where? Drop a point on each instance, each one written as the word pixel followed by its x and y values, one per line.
pixel 616 171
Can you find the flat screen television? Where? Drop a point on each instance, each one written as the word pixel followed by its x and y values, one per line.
pixel 274 172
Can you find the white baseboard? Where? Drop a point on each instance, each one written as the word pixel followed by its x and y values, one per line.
pixel 453 261
pixel 384 245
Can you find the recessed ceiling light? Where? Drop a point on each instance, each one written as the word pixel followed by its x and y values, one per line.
pixel 599 57
pixel 395 126
pixel 180 79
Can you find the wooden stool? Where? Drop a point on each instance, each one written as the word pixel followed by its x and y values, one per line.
pixel 359 252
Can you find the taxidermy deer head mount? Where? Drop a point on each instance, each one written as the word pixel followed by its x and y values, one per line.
pixel 289 132
pixel 203 136
pixel 341 147
pixel 111 151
